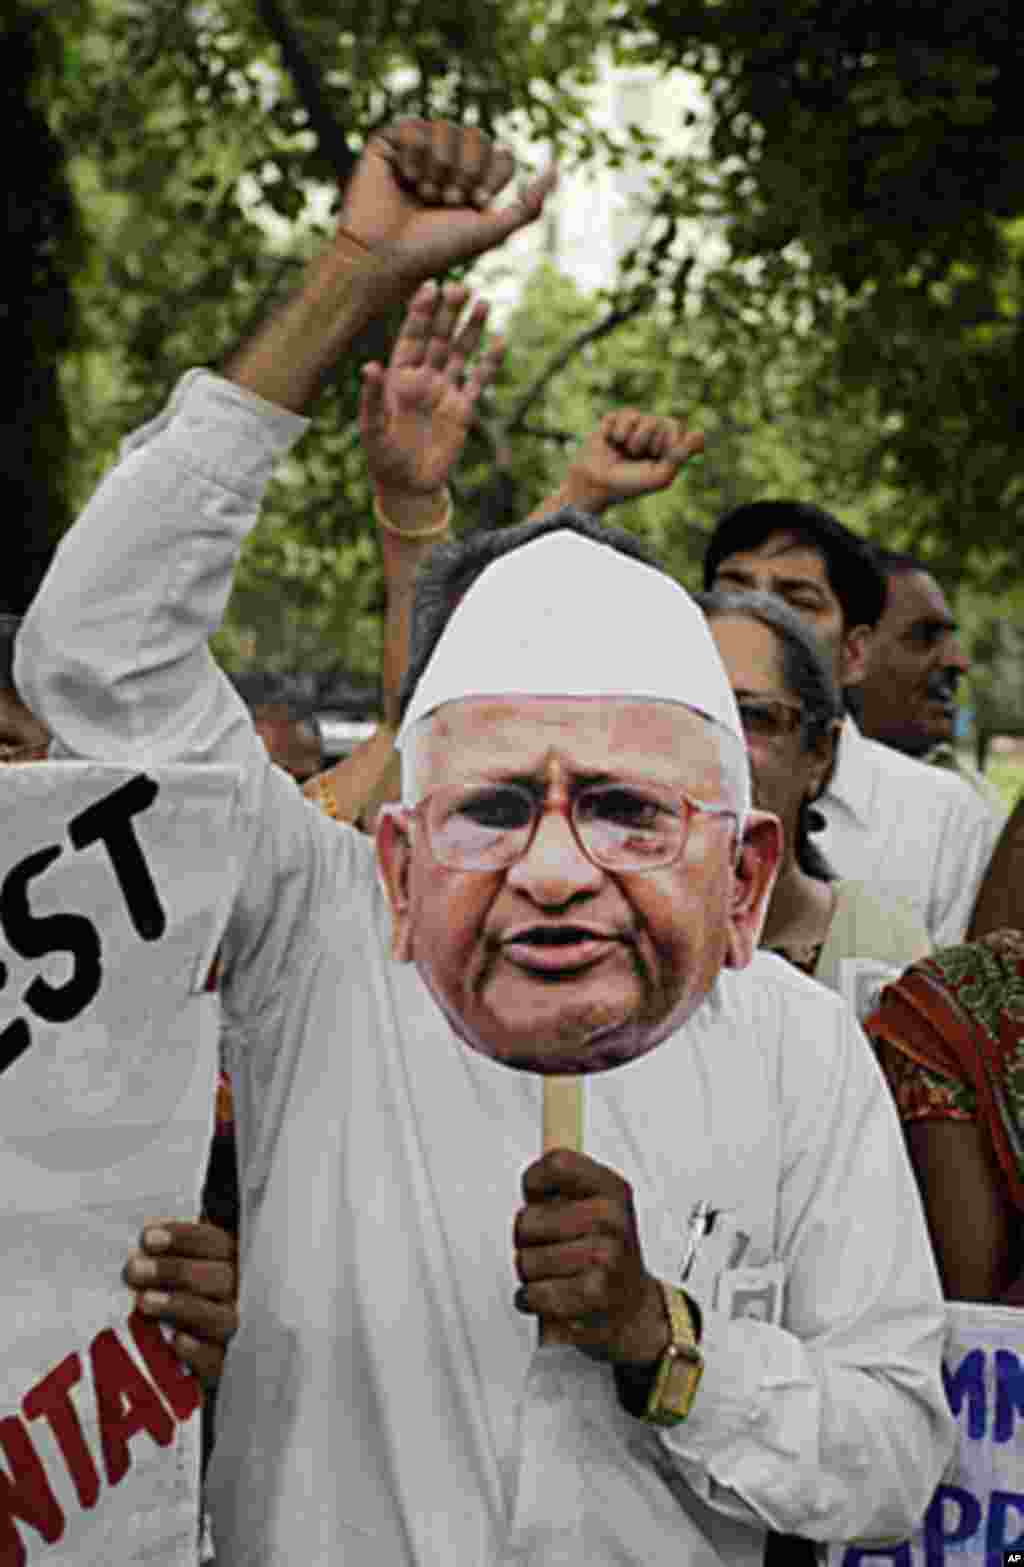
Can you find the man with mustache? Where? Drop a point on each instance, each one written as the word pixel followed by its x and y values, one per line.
pixel 916 834
pixel 748 1318
pixel 914 666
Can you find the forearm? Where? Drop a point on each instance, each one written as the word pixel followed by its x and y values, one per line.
pixel 403 557
pixel 575 491
pixel 957 1174
pixel 344 792
pixel 287 359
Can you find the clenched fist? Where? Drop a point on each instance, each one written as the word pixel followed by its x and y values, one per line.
pixel 578 1256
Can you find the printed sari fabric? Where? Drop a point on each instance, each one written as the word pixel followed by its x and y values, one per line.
pixel 950 1038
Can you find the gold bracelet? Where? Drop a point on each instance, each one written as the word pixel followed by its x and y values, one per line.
pixel 433 532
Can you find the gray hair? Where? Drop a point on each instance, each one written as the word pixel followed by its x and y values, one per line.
pixel 807 677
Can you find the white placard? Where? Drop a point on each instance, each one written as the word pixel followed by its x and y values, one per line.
pixel 976 1516
pixel 115 885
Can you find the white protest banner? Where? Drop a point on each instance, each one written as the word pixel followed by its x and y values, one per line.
pixel 115 885
pixel 976 1517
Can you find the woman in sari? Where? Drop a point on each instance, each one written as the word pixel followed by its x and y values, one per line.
pixel 950 1038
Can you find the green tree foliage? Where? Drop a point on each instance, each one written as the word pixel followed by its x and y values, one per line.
pixel 769 427
pixel 211 144
pixel 856 341
pixel 867 158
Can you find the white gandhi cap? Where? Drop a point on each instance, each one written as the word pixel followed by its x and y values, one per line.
pixel 566 616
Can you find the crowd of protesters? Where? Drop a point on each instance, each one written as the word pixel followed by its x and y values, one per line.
pixel 855 833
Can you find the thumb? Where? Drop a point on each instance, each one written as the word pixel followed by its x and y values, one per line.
pixel 691 444
pixel 499 224
pixel 667 467
pixel 371 399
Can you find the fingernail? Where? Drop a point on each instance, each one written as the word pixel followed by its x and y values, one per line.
pixel 186 1343
pixel 481 195
pixel 155 1300
pixel 453 196
pixel 157 1238
pixel 143 1268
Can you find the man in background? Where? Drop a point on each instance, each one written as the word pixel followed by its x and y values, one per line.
pixel 915 832
pixel 915 664
pixel 284 722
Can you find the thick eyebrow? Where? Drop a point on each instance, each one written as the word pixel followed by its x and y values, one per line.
pixel 933 623
pixel 797 585
pixel 537 784
pixel 779 586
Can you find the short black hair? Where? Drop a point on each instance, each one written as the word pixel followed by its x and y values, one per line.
pixel 898 563
pixel 853 574
pixel 450 570
pixel 267 688
pixel 807 674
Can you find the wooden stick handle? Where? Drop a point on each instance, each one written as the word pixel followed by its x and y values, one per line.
pixel 563 1113
pixel 563 1128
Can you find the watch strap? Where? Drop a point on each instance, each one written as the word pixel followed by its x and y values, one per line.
pixel 681 1366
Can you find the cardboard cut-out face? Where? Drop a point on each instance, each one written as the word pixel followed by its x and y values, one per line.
pixel 554 963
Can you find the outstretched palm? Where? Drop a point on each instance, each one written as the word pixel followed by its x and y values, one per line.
pixel 415 415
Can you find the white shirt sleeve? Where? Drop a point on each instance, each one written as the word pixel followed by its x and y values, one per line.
pixel 114 655
pixel 833 1425
pixel 113 652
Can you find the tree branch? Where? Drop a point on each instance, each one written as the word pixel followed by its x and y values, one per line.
pixel 374 340
pixel 591 334
pixel 545 433
pixel 309 86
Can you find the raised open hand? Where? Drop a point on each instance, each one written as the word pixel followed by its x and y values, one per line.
pixel 421 194
pixel 415 415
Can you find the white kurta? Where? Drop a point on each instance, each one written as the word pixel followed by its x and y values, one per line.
pixel 383 1402
pixel 909 831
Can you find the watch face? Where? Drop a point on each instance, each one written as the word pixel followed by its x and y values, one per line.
pixel 683 1382
pixel 675 1389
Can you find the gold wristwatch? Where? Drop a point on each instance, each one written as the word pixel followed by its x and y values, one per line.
pixel 679 1369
